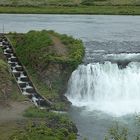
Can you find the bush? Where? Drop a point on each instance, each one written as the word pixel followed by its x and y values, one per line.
pixel 91 2
pixel 37 46
pixel 33 112
pixel 30 45
pixel 54 126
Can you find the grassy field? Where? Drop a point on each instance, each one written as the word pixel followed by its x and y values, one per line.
pixel 111 2
pixel 39 2
pixel 106 10
pixel 67 2
pixel 111 7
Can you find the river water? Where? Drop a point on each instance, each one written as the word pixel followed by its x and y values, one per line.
pixel 105 88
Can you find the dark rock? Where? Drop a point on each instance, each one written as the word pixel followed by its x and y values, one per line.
pixel 24 79
pixel 30 90
pixel 22 84
pixel 19 68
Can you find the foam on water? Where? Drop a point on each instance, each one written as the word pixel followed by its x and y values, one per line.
pixel 123 56
pixel 106 88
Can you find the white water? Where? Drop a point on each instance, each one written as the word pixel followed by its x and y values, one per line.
pixel 123 56
pixel 106 88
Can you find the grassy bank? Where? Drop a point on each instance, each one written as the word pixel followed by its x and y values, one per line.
pixel 41 129
pixel 46 125
pixel 52 57
pixel 10 101
pixel 106 10
pixel 111 7
pixel 49 59
pixel 40 3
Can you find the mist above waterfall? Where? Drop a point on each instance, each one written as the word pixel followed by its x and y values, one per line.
pixel 106 88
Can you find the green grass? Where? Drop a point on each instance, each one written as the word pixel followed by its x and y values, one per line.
pixel 41 131
pixel 39 3
pixel 74 47
pixel 5 81
pixel 111 2
pixel 106 10
pixel 38 47
pixel 8 128
pixel 12 92
pixel 33 112
pixel 111 7
pixel 46 125
pixel 16 94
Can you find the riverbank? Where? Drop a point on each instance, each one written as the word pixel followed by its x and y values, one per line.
pixel 52 57
pixel 101 10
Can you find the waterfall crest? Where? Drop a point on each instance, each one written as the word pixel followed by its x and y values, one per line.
pixel 105 87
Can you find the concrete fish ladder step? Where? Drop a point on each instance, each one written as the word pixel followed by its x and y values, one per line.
pixel 23 81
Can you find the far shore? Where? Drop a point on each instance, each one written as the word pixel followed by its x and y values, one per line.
pixel 93 10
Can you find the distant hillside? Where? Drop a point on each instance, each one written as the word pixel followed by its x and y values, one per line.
pixel 39 2
pixel 110 2
pixel 67 2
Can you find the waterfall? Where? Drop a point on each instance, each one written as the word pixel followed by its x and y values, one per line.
pixel 106 88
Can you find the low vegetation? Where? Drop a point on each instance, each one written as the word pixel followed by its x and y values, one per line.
pixel 112 7
pixel 41 131
pixel 74 48
pixel 5 80
pixel 34 112
pixel 39 3
pixel 46 126
pixel 111 2
pixel 8 87
pixel 82 9
pixel 119 132
pixel 38 47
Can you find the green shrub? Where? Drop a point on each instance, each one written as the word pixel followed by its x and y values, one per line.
pixel 34 112
pixel 29 46
pixel 37 46
pixel 117 132
pixel 42 132
pixel 75 48
pixel 52 126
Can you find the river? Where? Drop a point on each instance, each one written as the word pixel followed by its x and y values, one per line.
pixel 105 88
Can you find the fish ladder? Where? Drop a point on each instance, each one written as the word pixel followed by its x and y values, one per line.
pixel 21 76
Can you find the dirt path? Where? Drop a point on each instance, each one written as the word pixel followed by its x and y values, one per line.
pixel 13 112
pixel 11 118
pixel 59 47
